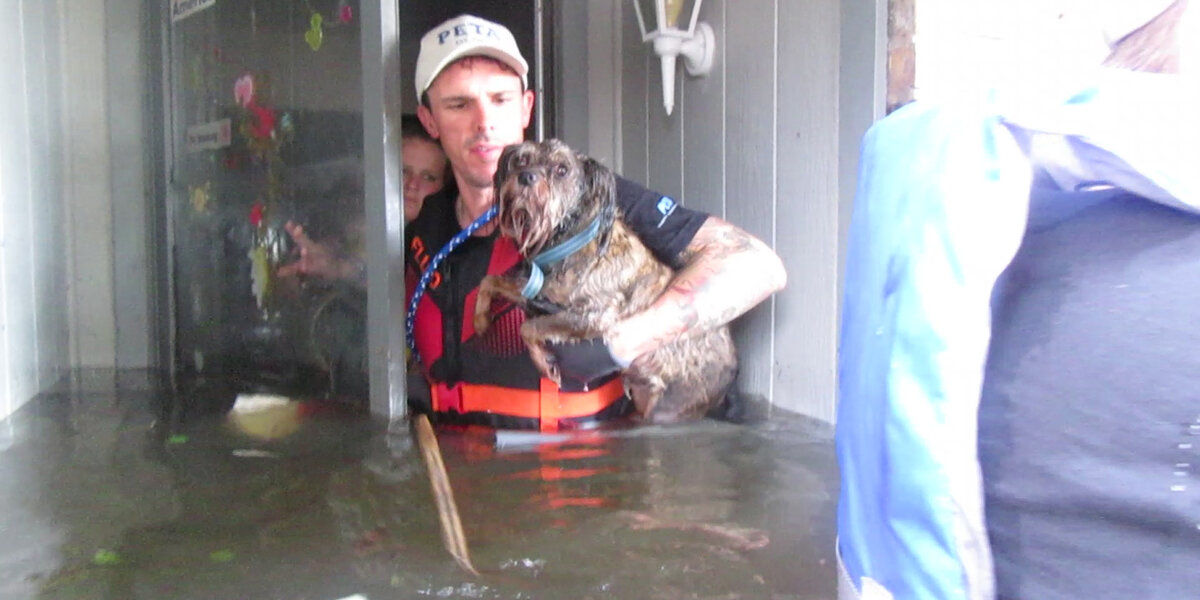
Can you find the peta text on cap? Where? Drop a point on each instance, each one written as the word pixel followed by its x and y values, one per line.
pixel 466 35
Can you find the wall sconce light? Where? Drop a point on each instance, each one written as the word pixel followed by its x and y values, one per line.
pixel 695 43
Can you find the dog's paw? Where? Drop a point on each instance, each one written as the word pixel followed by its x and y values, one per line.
pixel 549 369
pixel 553 374
pixel 544 361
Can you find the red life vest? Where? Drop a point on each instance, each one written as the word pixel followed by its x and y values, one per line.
pixel 544 407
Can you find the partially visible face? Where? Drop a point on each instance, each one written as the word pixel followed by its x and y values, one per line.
pixel 424 173
pixel 476 108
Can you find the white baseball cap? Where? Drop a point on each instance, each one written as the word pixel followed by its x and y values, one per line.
pixel 466 35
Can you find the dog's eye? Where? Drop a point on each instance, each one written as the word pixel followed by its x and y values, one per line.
pixel 562 170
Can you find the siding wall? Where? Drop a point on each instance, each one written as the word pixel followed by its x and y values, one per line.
pixel 75 248
pixel 33 242
pixel 134 212
pixel 757 141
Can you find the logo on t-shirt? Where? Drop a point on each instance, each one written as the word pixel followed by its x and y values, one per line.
pixel 666 206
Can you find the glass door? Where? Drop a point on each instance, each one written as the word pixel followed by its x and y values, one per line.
pixel 266 196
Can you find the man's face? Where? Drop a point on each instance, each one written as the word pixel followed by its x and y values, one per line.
pixel 424 173
pixel 476 108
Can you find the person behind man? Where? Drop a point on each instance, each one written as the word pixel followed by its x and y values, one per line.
pixel 471 81
pixel 425 169
pixel 425 165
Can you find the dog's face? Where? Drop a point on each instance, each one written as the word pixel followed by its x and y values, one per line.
pixel 547 192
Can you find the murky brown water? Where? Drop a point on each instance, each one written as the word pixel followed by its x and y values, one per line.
pixel 99 499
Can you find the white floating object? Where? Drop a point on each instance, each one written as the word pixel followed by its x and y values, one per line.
pixel 248 403
pixel 265 416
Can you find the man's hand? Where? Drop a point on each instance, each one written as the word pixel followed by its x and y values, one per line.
pixel 316 259
pixel 583 364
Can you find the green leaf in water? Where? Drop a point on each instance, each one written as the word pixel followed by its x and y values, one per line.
pixel 221 556
pixel 106 558
pixel 178 438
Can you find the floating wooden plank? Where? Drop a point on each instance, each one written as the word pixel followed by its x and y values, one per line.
pixel 452 530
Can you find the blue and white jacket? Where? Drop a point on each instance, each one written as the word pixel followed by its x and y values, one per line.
pixel 942 204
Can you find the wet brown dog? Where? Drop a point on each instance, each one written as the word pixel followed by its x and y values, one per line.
pixel 546 194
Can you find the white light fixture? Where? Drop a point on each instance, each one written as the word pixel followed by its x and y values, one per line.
pixel 695 43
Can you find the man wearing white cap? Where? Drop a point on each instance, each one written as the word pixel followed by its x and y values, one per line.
pixel 471 81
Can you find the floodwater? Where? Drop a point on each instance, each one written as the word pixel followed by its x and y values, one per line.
pixel 103 494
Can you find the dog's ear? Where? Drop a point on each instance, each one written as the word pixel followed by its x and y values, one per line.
pixel 502 166
pixel 601 185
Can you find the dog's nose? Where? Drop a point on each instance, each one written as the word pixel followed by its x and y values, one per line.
pixel 526 178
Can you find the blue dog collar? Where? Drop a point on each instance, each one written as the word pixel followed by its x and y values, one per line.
pixel 536 277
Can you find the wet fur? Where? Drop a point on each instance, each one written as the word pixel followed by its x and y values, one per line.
pixel 547 193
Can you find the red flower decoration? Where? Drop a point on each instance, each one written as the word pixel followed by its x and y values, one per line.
pixel 346 14
pixel 256 214
pixel 264 121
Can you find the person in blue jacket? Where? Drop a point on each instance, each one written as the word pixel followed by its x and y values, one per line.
pixel 1017 412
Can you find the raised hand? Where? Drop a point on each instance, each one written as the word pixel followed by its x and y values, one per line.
pixel 317 259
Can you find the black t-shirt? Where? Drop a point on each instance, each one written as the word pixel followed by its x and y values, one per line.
pixel 498 358
pixel 1089 426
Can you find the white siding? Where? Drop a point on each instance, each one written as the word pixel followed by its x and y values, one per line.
pixel 33 314
pixel 59 306
pixel 769 140
pixel 88 185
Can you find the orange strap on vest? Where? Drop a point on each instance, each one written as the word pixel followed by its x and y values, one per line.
pixel 548 405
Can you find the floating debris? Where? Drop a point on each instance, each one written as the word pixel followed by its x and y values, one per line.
pixel 452 530
pixel 106 558
pixel 738 538
pixel 265 416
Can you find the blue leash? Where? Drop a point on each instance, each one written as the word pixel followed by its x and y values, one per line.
pixel 431 268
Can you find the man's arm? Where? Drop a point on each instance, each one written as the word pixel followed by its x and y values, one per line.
pixel 726 272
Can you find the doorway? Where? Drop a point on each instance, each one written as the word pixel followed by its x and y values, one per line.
pixel 265 112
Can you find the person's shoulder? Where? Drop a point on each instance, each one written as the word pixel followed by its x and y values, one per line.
pixel 436 212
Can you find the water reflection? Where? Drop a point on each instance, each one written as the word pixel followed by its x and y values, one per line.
pixel 340 506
